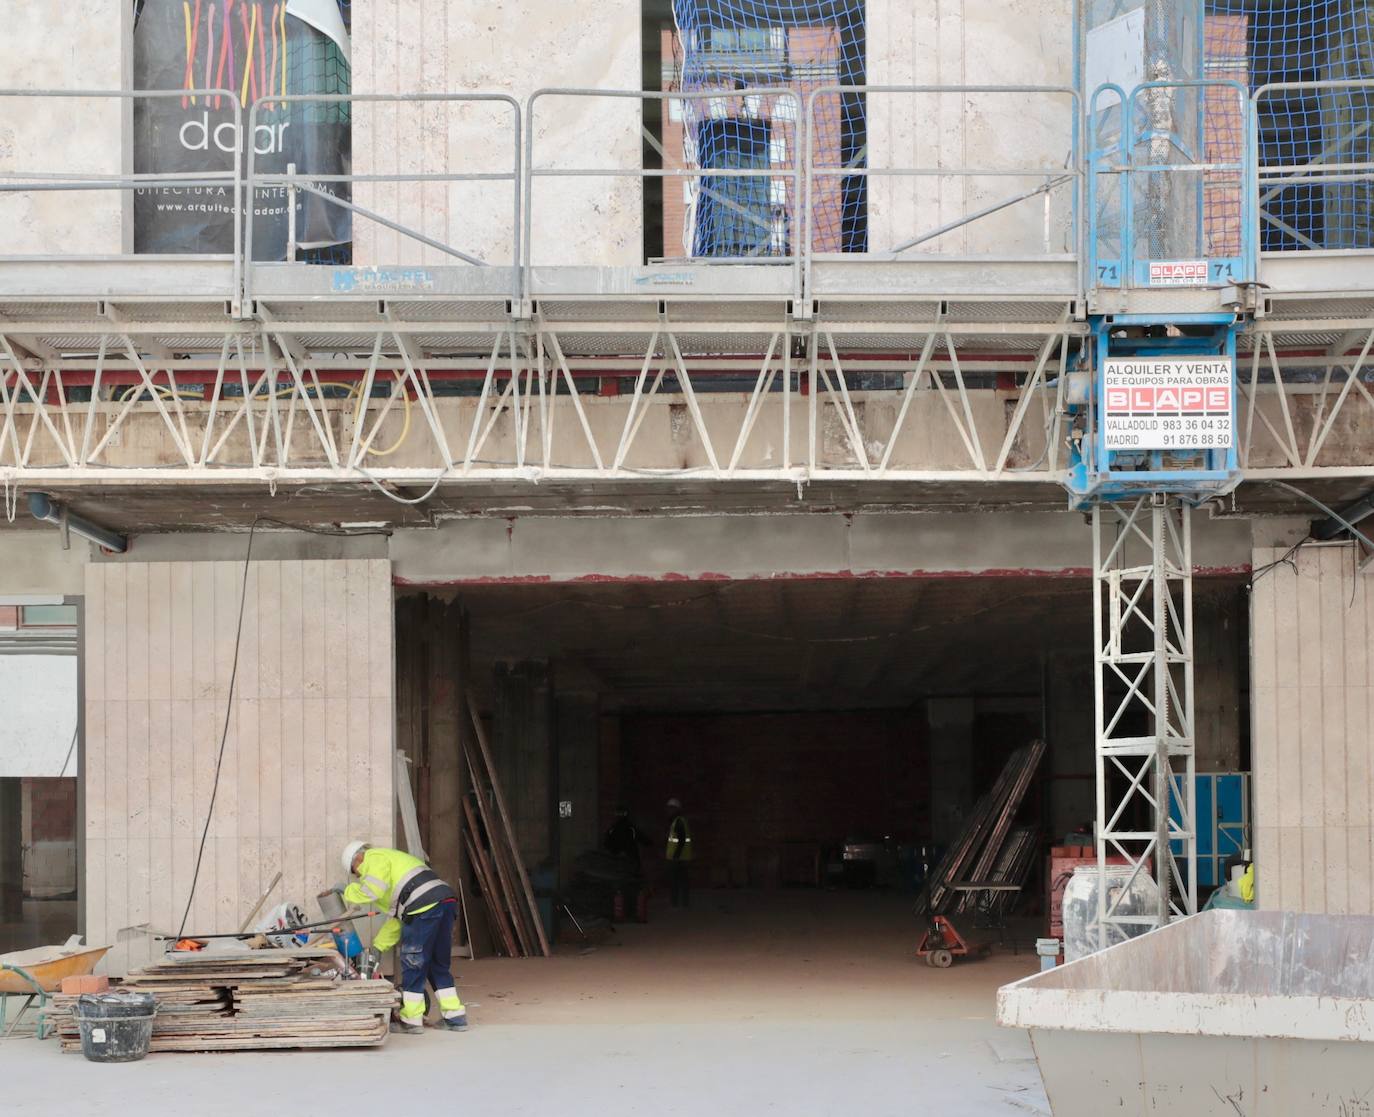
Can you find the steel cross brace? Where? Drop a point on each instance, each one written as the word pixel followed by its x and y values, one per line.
pixel 1144 713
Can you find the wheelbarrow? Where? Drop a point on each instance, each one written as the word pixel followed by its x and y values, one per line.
pixel 31 975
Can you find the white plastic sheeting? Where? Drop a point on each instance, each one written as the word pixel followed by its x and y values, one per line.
pixel 38 706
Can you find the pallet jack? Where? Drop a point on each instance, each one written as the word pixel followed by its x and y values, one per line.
pixel 942 943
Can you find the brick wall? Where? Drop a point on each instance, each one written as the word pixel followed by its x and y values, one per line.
pixel 51 806
pixel 1224 132
pixel 49 836
pixel 813 59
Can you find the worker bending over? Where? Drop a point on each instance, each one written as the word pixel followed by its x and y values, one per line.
pixel 422 909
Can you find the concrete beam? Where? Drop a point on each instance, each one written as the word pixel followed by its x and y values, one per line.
pixel 652 548
pixel 805 546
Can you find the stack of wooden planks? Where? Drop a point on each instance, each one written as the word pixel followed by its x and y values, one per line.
pixel 490 838
pixel 251 1000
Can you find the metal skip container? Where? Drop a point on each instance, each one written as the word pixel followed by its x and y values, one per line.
pixel 1262 1014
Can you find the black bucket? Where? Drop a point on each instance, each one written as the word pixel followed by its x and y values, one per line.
pixel 115 1027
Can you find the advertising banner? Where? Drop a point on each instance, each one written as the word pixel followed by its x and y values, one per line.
pixel 257 49
pixel 1167 403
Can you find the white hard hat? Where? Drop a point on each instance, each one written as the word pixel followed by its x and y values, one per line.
pixel 675 804
pixel 351 851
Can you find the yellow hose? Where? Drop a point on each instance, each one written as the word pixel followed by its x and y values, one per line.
pixel 405 426
pixel 354 391
pixel 163 391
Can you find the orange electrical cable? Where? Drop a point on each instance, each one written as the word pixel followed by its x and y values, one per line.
pixel 272 73
pixel 262 86
pixel 226 37
pixel 195 46
pixel 284 47
pixel 209 50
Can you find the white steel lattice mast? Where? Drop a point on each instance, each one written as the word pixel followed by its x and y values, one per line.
pixel 1143 626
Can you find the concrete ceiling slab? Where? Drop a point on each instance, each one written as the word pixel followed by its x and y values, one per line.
pixel 140 508
pixel 801 644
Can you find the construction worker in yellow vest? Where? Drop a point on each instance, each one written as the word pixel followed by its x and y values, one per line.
pixel 422 909
pixel 679 854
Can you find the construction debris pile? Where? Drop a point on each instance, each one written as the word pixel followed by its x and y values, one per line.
pixel 987 849
pixel 252 1000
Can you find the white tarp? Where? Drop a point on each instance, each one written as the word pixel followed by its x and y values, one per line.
pixel 38 705
pixel 324 17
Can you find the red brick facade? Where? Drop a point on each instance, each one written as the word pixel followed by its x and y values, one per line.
pixel 813 61
pixel 52 806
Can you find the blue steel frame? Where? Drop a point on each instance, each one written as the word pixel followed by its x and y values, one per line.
pixel 1092 474
pixel 1099 272
pixel 1132 269
pixel 1223 822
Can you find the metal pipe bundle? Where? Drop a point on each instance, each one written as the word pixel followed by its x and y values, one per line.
pixel 979 844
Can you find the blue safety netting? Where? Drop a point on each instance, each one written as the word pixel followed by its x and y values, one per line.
pixel 735 45
pixel 1324 135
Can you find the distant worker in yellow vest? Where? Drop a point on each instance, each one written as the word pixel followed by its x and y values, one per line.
pixel 422 909
pixel 679 854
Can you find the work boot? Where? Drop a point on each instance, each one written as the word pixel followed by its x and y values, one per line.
pixel 399 1029
pixel 456 1023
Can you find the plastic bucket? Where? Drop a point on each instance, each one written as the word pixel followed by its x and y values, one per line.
pixel 115 1027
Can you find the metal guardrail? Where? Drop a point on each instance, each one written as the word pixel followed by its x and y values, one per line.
pixel 790 169
pixel 1146 219
pixel 1331 166
pixel 28 182
pixel 311 183
pixel 1053 178
pixel 1107 177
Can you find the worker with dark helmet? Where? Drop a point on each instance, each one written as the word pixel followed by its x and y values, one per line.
pixel 422 909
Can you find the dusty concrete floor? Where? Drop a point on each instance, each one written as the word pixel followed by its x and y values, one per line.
pixel 797 1003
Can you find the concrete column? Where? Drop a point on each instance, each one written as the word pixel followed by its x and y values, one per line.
pixel 1217 665
pixel 526 759
pixel 11 849
pixel 431 722
pixel 610 770
pixel 1312 690
pixel 411 656
pixel 578 747
pixel 1069 732
pixel 445 732
pixel 951 765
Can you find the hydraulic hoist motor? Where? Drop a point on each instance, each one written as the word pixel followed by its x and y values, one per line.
pixel 1153 409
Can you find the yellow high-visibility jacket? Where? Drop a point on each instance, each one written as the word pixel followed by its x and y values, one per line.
pixel 401 885
pixel 679 840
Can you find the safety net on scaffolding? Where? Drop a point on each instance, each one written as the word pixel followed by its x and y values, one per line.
pixel 750 69
pixel 1310 67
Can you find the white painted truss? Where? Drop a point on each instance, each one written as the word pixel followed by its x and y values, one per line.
pixel 418 400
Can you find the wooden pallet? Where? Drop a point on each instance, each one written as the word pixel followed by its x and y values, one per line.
pixel 265 1000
